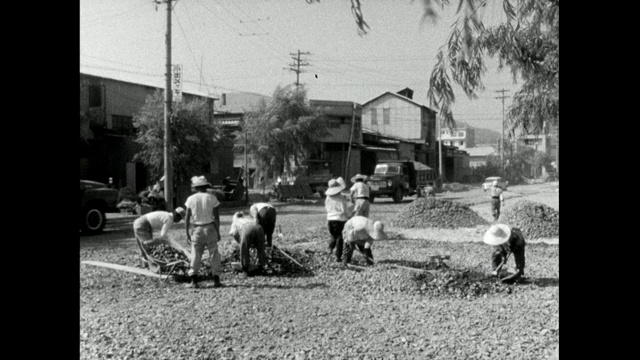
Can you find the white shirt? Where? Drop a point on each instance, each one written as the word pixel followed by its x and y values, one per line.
pixel 237 224
pixel 337 208
pixel 255 208
pixel 359 189
pixel 202 205
pixel 160 219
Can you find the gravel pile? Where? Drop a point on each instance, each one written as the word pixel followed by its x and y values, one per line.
pixel 167 254
pixel 536 220
pixel 437 213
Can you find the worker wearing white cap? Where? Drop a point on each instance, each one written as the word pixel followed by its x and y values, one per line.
pixel 145 225
pixel 361 232
pixel 497 199
pixel 506 240
pixel 360 195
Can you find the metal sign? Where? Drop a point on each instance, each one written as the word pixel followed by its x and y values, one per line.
pixel 176 82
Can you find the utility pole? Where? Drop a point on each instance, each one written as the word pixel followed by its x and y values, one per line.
pixel 353 121
pixel 439 138
pixel 295 67
pixel 502 132
pixel 246 167
pixel 168 98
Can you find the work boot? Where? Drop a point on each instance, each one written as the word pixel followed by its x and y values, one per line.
pixel 193 283
pixel 216 281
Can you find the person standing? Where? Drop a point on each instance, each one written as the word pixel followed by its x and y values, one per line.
pixel 506 240
pixel 338 212
pixel 497 199
pixel 359 193
pixel 144 227
pixel 265 216
pixel 203 230
pixel 360 232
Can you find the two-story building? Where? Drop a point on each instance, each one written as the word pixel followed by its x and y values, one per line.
pixel 463 136
pixel 107 134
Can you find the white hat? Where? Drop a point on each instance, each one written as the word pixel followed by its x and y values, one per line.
pixel 497 234
pixel 335 186
pixel 375 229
pixel 199 181
pixel 181 211
pixel 359 176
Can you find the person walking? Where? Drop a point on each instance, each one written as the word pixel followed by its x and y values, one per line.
pixel 359 193
pixel 144 227
pixel 249 235
pixel 264 215
pixel 338 212
pixel 506 240
pixel 360 232
pixel 497 199
pixel 203 230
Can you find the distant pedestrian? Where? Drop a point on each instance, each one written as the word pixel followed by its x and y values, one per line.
pixel 360 232
pixel 203 230
pixel 497 199
pixel 145 225
pixel 338 212
pixel 264 215
pixel 506 240
pixel 249 235
pixel 359 193
pixel 429 190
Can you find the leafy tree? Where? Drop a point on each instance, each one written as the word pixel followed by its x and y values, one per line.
pixel 193 140
pixel 527 43
pixel 283 128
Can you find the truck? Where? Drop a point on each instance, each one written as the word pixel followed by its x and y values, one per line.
pixel 96 199
pixel 400 178
pixel 315 174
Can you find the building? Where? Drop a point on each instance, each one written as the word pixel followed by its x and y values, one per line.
pixel 399 116
pixel 462 136
pixel 107 135
pixel 544 143
pixel 478 155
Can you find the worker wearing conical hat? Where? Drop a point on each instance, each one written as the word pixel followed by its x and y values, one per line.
pixel 506 240
pixel 338 212
pixel 360 232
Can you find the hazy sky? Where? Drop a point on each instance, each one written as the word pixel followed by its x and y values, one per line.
pixel 245 45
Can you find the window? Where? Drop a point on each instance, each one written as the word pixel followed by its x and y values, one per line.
pixel 95 96
pixel 460 133
pixel 122 125
pixel 461 143
pixel 374 116
pixel 386 114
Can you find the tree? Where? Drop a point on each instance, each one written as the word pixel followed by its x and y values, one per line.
pixel 527 43
pixel 284 127
pixel 193 140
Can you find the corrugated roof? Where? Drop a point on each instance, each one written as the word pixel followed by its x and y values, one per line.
pixel 401 97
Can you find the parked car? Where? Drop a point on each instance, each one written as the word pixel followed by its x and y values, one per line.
pixel 96 199
pixel 489 181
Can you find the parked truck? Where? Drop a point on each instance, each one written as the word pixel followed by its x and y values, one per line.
pixel 400 178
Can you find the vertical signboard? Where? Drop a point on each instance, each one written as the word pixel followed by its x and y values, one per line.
pixel 176 82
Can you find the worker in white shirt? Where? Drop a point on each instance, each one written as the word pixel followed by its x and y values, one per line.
pixel 147 224
pixel 360 195
pixel 497 199
pixel 203 230
pixel 338 212
pixel 265 216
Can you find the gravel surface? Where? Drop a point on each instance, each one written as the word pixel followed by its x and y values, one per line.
pixel 323 312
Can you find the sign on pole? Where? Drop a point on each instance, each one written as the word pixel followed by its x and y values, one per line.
pixel 176 82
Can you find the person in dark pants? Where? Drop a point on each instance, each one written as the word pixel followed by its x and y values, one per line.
pixel 360 232
pixel 265 216
pixel 360 195
pixel 497 199
pixel 338 212
pixel 505 240
pixel 248 234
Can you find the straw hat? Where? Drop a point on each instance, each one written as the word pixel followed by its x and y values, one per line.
pixel 181 211
pixel 497 234
pixel 199 181
pixel 375 229
pixel 335 186
pixel 359 176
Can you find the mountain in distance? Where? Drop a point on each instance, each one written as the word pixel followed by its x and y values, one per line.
pixel 486 137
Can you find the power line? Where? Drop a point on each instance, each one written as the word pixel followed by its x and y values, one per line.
pixel 191 51
pixel 295 67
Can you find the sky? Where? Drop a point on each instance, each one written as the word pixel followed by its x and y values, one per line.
pixel 247 45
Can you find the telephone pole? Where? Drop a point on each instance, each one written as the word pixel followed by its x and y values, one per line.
pixel 168 98
pixel 502 132
pixel 295 67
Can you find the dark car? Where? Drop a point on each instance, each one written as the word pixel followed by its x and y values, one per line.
pixel 96 199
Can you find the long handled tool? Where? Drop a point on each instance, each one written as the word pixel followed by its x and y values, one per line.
pixel 504 261
pixel 289 257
